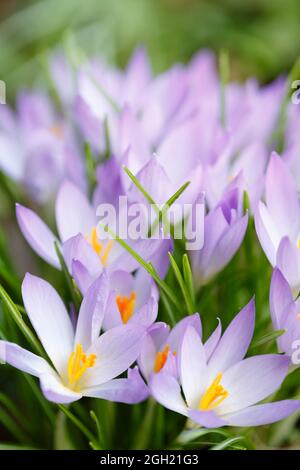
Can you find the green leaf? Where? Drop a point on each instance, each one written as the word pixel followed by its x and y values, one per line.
pixel 184 290
pixel 73 289
pixel 16 315
pixel 224 71
pixel 4 446
pixel 90 167
pixel 227 443
pixel 62 439
pixel 188 277
pixel 143 191
pixel 190 435
pixel 272 336
pixel 14 428
pixel 98 428
pixel 147 266
pixel 82 428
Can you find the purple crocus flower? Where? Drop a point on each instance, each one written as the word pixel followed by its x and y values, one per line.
pixel 278 221
pixel 83 363
pixel 133 299
pixel 284 312
pixel 160 347
pixel 224 230
pixel 245 170
pixel 85 254
pixel 37 148
pixel 224 388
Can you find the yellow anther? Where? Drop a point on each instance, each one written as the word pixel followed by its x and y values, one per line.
pixel 78 364
pixel 106 252
pixel 214 395
pixel 98 247
pixel 126 306
pixel 161 358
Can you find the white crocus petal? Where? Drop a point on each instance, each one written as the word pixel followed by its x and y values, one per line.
pixel 74 214
pixel 166 390
pixel 252 380
pixel 267 232
pixel 193 367
pixel 50 320
pixel 92 312
pixel 116 350
pixel 22 359
pixel 54 390
pixel 38 235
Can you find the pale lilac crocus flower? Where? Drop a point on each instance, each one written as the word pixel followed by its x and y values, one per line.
pixel 224 230
pixel 277 221
pixel 85 254
pixel 37 148
pixel 224 388
pixel 285 313
pixel 133 299
pixel 82 362
pixel 160 346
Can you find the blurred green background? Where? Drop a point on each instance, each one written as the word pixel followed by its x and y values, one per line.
pixel 263 36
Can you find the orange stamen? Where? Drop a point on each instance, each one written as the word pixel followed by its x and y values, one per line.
pixel 126 306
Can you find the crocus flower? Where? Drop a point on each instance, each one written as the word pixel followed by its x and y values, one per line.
pixel 82 362
pixel 37 148
pixel 133 299
pixel 284 312
pixel 278 221
pixel 224 389
pixel 224 231
pixel 85 254
pixel 160 347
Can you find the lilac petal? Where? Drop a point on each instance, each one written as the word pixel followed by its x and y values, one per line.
pixel 92 312
pixel 227 246
pixel 193 367
pixel 267 413
pixel 155 181
pixel 147 315
pixel 207 419
pixel 215 226
pixel 252 380
pixel 280 297
pixel 77 248
pixel 22 359
pixel 50 319
pixel 175 337
pixel 116 349
pixel 12 157
pixel 288 261
pixel 131 390
pixel 81 275
pixel 230 350
pixel 166 391
pixel 74 214
pixel 38 235
pixel 147 357
pixel 211 343
pixel 54 390
pixel 267 232
pixel 282 198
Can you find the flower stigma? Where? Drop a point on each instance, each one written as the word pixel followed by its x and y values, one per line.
pixel 102 252
pixel 78 364
pixel 214 395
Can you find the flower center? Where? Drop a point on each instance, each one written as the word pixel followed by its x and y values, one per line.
pixel 214 395
pixel 161 358
pixel 126 306
pixel 98 247
pixel 78 364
